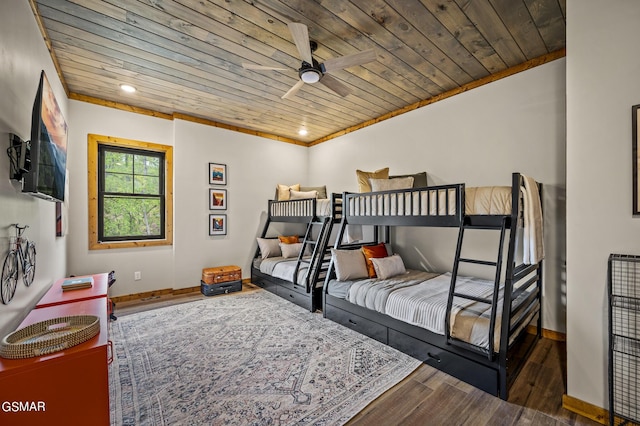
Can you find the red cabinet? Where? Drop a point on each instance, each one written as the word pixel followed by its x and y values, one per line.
pixel 55 295
pixel 68 387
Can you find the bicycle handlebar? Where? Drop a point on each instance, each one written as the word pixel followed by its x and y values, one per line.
pixel 19 229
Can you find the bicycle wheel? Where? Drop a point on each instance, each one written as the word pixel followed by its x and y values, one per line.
pixel 9 277
pixel 29 265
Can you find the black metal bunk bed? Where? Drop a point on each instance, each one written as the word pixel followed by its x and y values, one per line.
pixel 492 369
pixel 305 286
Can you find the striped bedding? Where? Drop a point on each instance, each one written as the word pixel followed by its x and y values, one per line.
pixel 420 298
pixel 283 268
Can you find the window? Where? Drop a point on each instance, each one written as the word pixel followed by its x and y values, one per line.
pixel 130 193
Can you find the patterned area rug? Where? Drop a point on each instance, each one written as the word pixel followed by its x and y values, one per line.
pixel 244 359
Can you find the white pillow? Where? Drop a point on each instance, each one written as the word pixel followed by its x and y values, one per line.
pixel 269 247
pixel 290 250
pixel 387 267
pixel 300 195
pixel 349 264
pixel 391 184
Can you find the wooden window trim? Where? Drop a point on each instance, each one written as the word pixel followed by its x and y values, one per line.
pixel 93 141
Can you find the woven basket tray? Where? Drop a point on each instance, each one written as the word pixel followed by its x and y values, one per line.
pixel 49 336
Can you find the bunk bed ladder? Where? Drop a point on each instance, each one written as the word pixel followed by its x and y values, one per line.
pixel 493 300
pixel 318 251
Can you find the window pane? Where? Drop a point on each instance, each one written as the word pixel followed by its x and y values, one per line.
pixel 114 182
pixel 118 162
pixel 134 187
pixel 147 165
pixel 147 185
pixel 131 216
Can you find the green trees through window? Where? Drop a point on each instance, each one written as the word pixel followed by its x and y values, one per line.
pixel 131 194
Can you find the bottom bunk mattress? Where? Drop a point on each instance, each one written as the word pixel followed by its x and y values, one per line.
pixel 420 298
pixel 284 268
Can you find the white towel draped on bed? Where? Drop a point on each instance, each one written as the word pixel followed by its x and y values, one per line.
pixel 533 250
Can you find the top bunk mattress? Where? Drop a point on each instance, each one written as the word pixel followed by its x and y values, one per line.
pixel 485 200
pixel 303 208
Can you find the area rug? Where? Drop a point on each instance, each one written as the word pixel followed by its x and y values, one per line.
pixel 244 359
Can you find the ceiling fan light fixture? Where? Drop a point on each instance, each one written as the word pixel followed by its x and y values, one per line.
pixel 310 75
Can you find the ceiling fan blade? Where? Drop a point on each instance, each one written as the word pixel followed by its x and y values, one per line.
pixel 247 66
pixel 342 62
pixel 335 85
pixel 300 35
pixel 293 90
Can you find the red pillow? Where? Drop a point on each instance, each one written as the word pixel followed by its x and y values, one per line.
pixel 379 250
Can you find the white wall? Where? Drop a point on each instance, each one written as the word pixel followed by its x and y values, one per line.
pixel 479 137
pixel 23 55
pixel 254 166
pixel 602 85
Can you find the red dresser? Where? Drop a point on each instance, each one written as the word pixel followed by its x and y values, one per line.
pixel 55 295
pixel 69 387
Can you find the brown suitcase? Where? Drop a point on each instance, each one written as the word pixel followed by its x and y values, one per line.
pixel 221 274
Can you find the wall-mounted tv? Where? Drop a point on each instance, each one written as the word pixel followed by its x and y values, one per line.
pixel 48 152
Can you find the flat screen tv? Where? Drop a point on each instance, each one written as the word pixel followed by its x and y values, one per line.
pixel 48 146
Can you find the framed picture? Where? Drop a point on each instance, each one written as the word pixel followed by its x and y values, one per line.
pixel 218 199
pixel 217 174
pixel 217 224
pixel 635 111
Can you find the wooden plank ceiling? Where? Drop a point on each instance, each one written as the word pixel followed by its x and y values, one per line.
pixel 185 57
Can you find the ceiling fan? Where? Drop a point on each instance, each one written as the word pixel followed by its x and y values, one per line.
pixel 313 72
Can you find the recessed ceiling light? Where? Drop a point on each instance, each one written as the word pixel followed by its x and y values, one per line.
pixel 127 88
pixel 303 132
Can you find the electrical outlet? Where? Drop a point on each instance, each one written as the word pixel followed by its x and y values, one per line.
pixel 137 275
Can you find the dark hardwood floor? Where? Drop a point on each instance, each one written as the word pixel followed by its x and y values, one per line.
pixel 430 397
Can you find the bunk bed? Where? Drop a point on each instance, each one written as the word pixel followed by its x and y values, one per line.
pixel 297 276
pixel 478 330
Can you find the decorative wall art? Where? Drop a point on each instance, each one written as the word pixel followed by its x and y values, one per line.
pixel 218 199
pixel 217 174
pixel 635 111
pixel 217 224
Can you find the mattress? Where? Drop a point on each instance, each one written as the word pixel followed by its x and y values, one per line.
pixel 283 268
pixel 301 207
pixel 486 200
pixel 426 202
pixel 420 298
